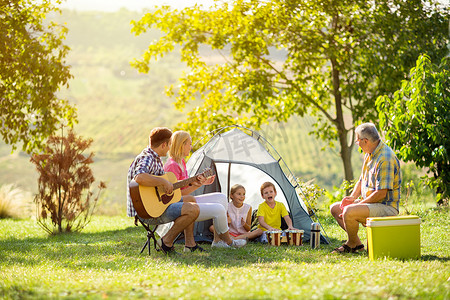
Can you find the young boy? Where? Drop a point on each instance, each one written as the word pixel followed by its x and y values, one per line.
pixel 270 213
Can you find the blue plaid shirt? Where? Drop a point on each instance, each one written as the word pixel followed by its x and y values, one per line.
pixel 381 170
pixel 148 161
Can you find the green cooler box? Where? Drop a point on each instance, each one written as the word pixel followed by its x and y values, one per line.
pixel 397 237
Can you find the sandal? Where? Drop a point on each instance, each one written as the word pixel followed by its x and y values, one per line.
pixel 165 249
pixel 192 249
pixel 343 249
pixel 359 248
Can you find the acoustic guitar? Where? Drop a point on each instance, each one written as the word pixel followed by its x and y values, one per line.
pixel 151 202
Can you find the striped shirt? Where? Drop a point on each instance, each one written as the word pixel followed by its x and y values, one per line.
pixel 381 170
pixel 148 161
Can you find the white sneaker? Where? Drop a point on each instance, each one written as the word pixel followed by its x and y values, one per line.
pixel 238 243
pixel 220 244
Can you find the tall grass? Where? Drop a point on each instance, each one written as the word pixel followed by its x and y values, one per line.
pixel 15 203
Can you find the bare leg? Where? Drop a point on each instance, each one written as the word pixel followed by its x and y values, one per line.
pixel 189 230
pixel 226 237
pixel 216 235
pixel 189 212
pixel 189 240
pixel 353 215
pixel 336 212
pixel 250 235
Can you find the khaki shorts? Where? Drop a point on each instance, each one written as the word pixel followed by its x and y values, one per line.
pixel 381 210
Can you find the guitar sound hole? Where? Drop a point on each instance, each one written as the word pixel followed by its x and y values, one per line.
pixel 166 198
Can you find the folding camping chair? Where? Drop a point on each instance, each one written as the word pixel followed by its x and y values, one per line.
pixel 150 235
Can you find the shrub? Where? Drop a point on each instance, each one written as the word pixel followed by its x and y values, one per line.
pixel 417 123
pixel 311 193
pixel 65 202
pixel 339 192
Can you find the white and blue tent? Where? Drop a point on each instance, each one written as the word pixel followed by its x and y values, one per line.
pixel 241 156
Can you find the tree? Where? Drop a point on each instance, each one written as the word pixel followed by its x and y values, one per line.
pixel 32 69
pixel 329 59
pixel 63 202
pixel 417 121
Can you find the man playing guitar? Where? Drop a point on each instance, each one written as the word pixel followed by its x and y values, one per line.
pixel 145 170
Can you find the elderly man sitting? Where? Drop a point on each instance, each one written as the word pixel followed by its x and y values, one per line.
pixel 377 192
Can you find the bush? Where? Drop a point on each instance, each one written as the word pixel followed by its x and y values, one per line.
pixel 64 201
pixel 339 192
pixel 417 123
pixel 311 193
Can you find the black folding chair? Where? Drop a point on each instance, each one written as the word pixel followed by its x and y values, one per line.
pixel 150 235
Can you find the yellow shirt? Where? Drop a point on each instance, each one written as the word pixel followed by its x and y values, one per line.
pixel 272 216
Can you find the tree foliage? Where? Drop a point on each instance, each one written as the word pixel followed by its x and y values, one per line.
pixel 32 69
pixel 417 121
pixel 65 202
pixel 329 59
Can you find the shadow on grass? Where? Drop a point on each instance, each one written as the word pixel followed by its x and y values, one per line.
pixel 434 257
pixel 115 248
pixel 66 246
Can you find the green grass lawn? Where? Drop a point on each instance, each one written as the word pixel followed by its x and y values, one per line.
pixel 104 261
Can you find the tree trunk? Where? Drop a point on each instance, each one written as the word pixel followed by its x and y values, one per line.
pixel 346 156
pixel 346 153
pixel 439 189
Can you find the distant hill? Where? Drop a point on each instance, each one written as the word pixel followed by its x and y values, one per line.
pixel 117 107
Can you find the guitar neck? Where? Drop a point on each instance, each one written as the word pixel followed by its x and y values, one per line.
pixel 183 183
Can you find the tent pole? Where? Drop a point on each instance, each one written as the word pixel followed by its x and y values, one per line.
pixel 228 180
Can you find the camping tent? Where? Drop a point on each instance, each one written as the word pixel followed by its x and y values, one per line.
pixel 247 159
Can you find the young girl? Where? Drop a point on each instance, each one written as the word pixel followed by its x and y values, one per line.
pixel 239 213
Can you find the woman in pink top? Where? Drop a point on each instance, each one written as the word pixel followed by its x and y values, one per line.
pixel 212 206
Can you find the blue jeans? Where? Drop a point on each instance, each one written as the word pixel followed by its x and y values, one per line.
pixel 172 212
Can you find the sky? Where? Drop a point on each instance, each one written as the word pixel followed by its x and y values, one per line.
pixel 113 5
